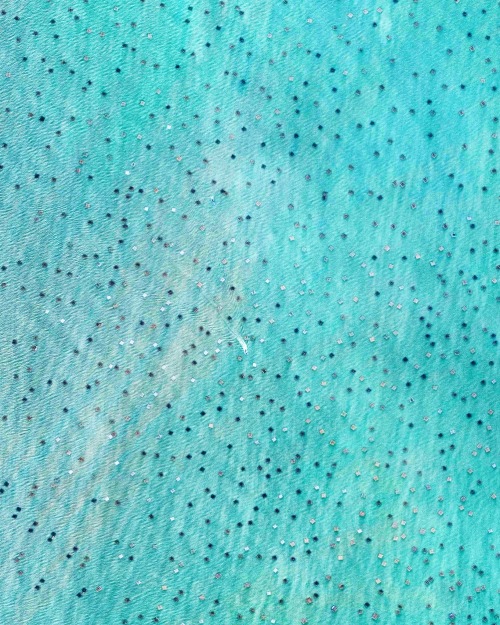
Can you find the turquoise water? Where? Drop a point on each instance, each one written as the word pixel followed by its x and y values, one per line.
pixel 249 304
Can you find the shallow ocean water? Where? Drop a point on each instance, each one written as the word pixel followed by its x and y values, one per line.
pixel 314 182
